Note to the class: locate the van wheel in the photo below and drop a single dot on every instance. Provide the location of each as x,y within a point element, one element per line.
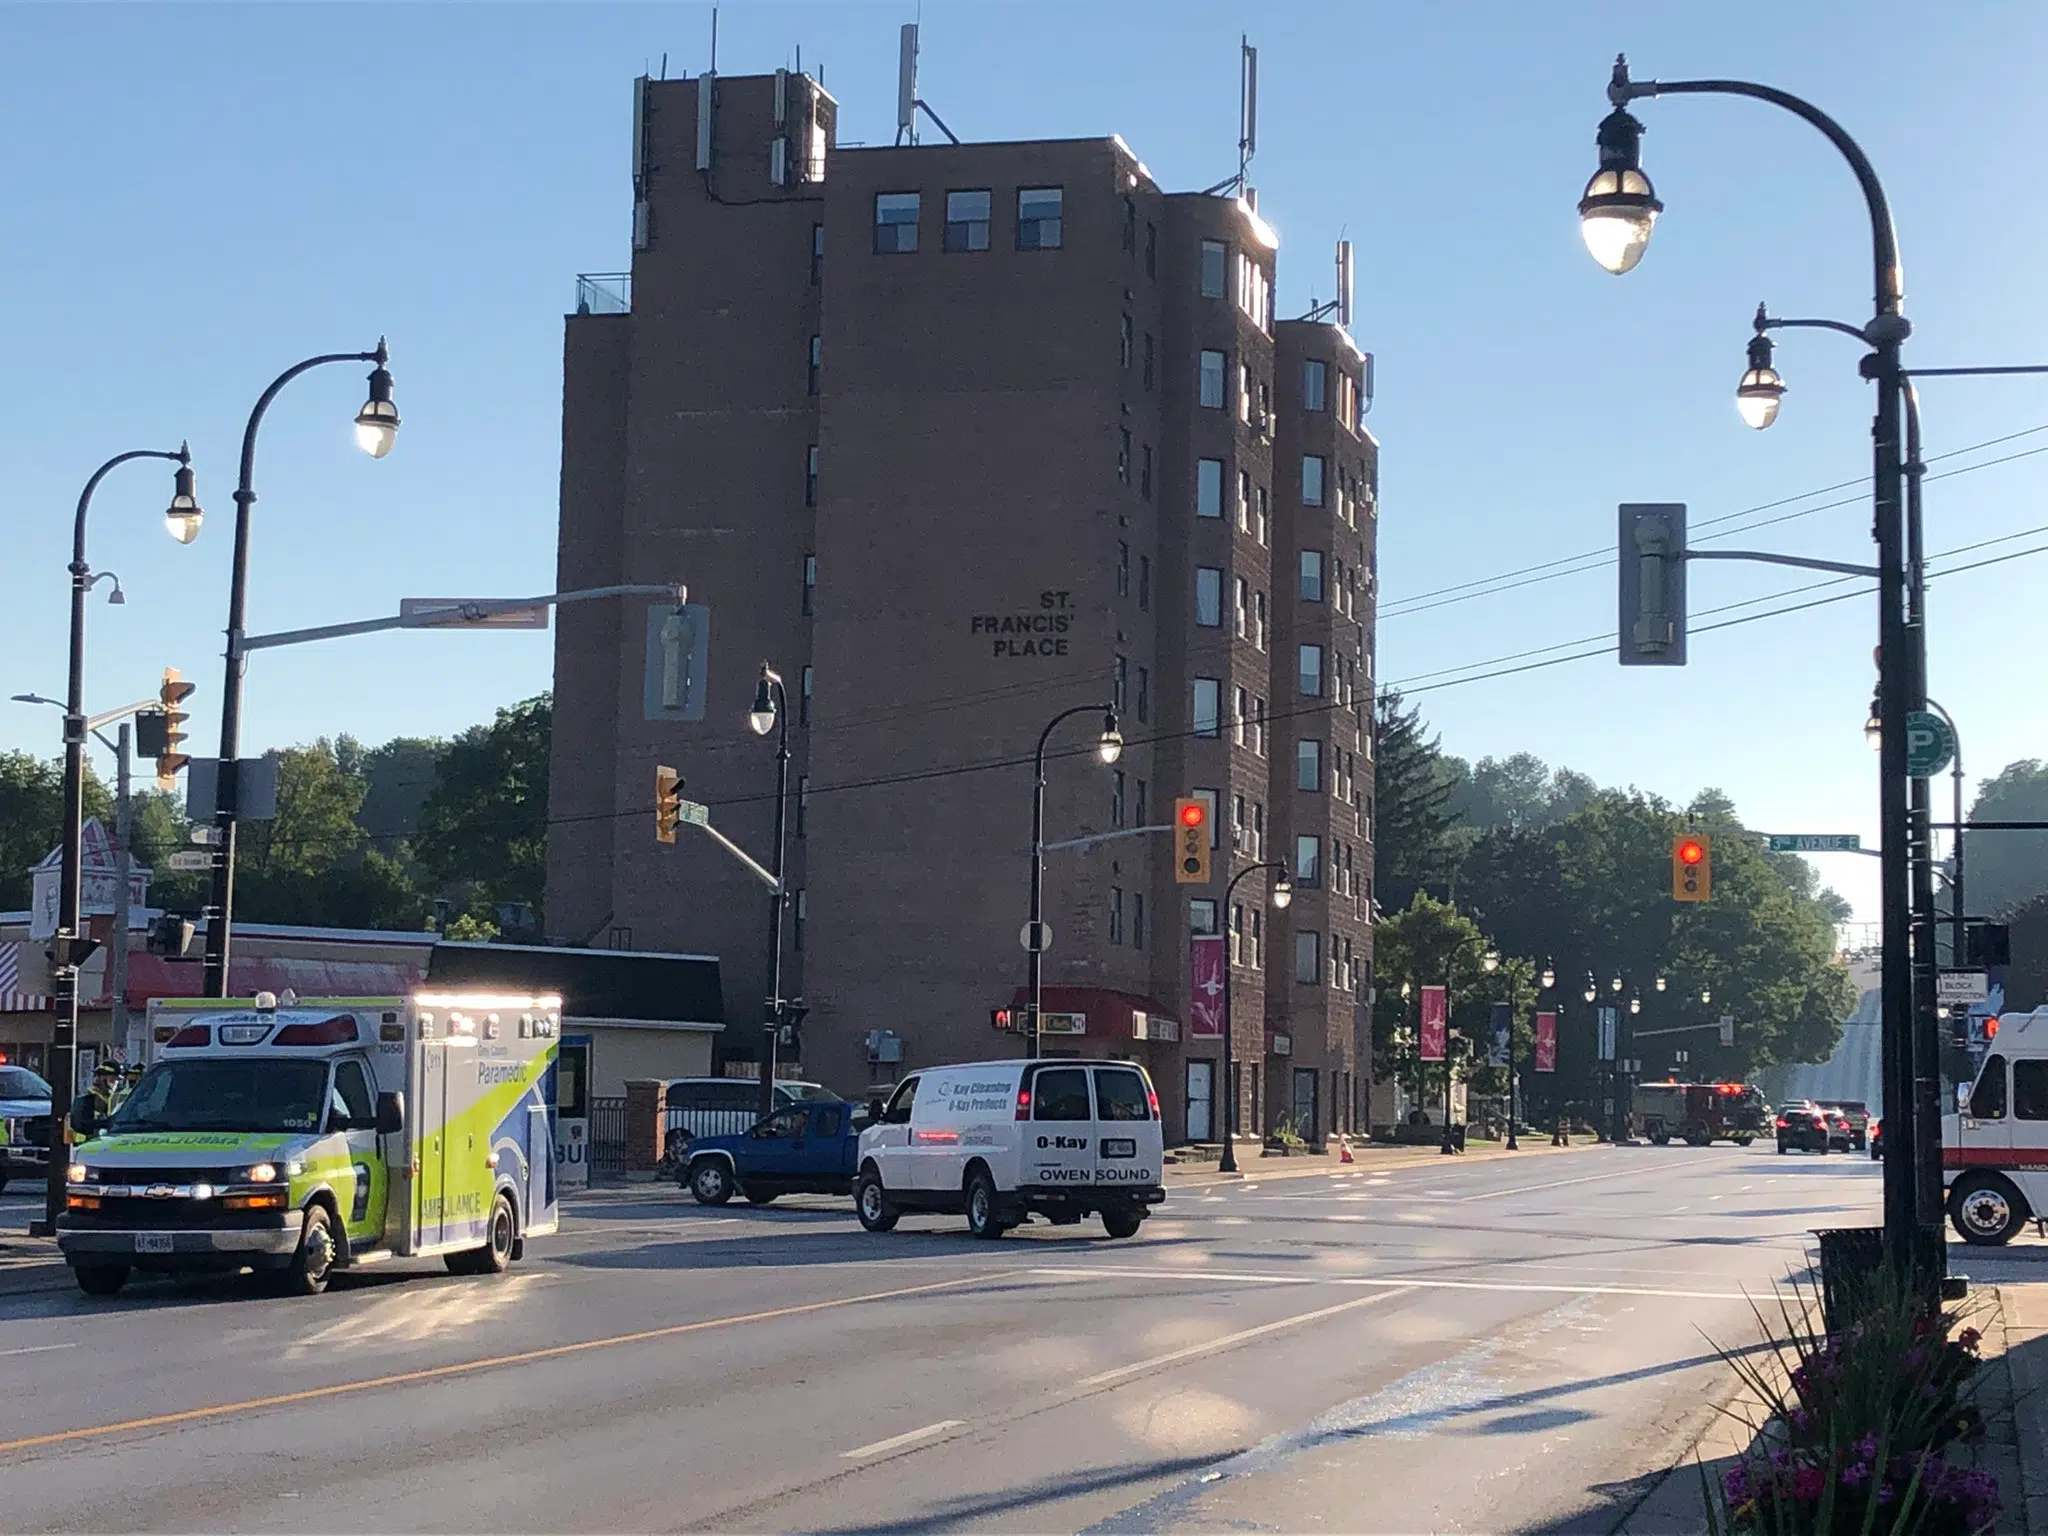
<point>1743,1141</point>
<point>1986,1210</point>
<point>711,1181</point>
<point>314,1262</point>
<point>871,1202</point>
<point>101,1279</point>
<point>1121,1220</point>
<point>1660,1138</point>
<point>982,1218</point>
<point>761,1196</point>
<point>495,1257</point>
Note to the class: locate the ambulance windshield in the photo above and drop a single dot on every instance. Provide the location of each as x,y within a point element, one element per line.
<point>218,1094</point>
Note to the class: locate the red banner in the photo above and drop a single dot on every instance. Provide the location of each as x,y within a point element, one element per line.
<point>1206,982</point>
<point>1431,1037</point>
<point>1546,1042</point>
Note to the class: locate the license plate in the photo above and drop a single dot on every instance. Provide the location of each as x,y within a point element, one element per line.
<point>1112,1147</point>
<point>152,1242</point>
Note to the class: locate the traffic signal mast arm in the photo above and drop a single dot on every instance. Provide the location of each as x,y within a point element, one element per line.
<point>454,616</point>
<point>1105,837</point>
<point>1839,567</point>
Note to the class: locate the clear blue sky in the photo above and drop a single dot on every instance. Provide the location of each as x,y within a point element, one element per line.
<point>198,196</point>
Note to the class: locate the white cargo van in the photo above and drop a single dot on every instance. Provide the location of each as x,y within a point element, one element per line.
<point>998,1140</point>
<point>1994,1153</point>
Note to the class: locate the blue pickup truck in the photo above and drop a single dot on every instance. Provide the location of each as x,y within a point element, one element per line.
<point>801,1149</point>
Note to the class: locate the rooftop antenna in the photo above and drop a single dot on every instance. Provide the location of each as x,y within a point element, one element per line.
<point>1344,282</point>
<point>714,42</point>
<point>1247,119</point>
<point>908,102</point>
<point>664,64</point>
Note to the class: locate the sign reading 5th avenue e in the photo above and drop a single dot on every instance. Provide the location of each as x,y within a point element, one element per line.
<point>1815,842</point>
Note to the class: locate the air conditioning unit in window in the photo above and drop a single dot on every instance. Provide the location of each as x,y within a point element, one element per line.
<point>1262,423</point>
<point>885,1047</point>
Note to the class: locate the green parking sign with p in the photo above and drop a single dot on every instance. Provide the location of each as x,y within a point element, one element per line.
<point>1930,744</point>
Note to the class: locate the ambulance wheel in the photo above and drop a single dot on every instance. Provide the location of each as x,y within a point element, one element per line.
<point>1986,1210</point>
<point>711,1181</point>
<point>101,1279</point>
<point>314,1262</point>
<point>1121,1220</point>
<point>983,1219</point>
<point>871,1202</point>
<point>1743,1141</point>
<point>495,1256</point>
<point>1660,1138</point>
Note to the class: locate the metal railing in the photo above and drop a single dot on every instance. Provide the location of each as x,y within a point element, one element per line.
<point>604,293</point>
<point>607,1136</point>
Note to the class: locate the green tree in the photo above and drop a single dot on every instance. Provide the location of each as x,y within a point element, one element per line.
<point>1427,943</point>
<point>32,818</point>
<point>483,827</point>
<point>1412,787</point>
<point>2005,870</point>
<point>397,778</point>
<point>1518,791</point>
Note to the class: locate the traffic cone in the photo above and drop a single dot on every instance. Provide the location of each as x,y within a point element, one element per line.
<point>1344,1150</point>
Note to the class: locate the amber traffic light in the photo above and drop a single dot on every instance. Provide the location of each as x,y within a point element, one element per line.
<point>1692,868</point>
<point>1191,841</point>
<point>171,701</point>
<point>667,803</point>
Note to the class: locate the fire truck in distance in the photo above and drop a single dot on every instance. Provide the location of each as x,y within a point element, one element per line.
<point>1700,1113</point>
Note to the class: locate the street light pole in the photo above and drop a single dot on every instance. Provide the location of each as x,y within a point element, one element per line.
<point>1281,894</point>
<point>376,428</point>
<point>771,711</point>
<point>1109,748</point>
<point>71,948</point>
<point>1489,960</point>
<point>1618,212</point>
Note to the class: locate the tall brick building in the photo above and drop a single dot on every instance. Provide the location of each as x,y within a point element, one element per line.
<point>957,437</point>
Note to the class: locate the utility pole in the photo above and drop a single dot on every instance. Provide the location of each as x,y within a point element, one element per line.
<point>124,864</point>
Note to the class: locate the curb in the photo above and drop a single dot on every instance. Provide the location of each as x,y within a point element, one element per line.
<point>1364,1160</point>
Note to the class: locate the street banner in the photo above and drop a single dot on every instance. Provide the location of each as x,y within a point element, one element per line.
<point>1502,1048</point>
<point>1206,982</point>
<point>1609,1022</point>
<point>1431,1036</point>
<point>1546,1042</point>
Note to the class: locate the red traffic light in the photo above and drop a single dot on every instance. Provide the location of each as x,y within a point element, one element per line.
<point>1691,851</point>
<point>1991,1029</point>
<point>1193,814</point>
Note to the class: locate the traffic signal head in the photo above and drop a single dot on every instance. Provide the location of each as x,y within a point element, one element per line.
<point>171,697</point>
<point>1191,841</point>
<point>667,797</point>
<point>1692,873</point>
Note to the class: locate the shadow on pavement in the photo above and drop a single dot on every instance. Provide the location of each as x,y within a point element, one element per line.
<point>952,1514</point>
<point>767,1250</point>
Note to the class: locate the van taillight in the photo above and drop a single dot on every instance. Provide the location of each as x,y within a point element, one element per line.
<point>1023,1103</point>
<point>1152,1098</point>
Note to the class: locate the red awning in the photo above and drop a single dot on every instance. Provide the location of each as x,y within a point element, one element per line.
<point>153,976</point>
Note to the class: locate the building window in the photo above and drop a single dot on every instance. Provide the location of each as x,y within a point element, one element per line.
<point>1145,471</point>
<point>1259,621</point>
<point>1258,829</point>
<point>1150,359</point>
<point>1308,860</point>
<point>1215,269</point>
<point>1116,798</point>
<point>1123,568</point>
<point>800,913</point>
<point>1312,468</point>
<point>1257,958</point>
<point>817,254</point>
<point>1244,392</point>
<point>1210,801</point>
<point>1236,933</point>
<point>1241,616</point>
<point>1038,218</point>
<point>1244,501</point>
<point>895,223</point>
<point>1138,801</point>
<point>1209,596</point>
<point>1144,700</point>
<point>1208,706</point>
<point>1116,914</point>
<point>811,476</point>
<point>1315,385</point>
<point>810,584</point>
<point>1201,915</point>
<point>1311,575</point>
<point>803,705</point>
<point>803,804</point>
<point>1308,957</point>
<point>1240,714</point>
<point>1255,292</point>
<point>1308,766</point>
<point>1123,454</point>
<point>1265,527</point>
<point>1137,919</point>
<point>1126,344</point>
<point>811,371</point>
<point>1118,681</point>
<point>1259,726</point>
<point>1130,223</point>
<point>1208,487</point>
<point>1312,671</point>
<point>967,221</point>
<point>1144,583</point>
<point>1214,370</point>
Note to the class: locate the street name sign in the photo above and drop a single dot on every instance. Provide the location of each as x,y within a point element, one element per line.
<point>1961,987</point>
<point>1815,842</point>
<point>186,860</point>
<point>468,613</point>
<point>693,813</point>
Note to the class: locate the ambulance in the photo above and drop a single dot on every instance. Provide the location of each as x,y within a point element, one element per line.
<point>305,1136</point>
<point>1994,1149</point>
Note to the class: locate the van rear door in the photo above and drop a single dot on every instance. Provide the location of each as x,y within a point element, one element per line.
<point>1059,1145</point>
<point>1128,1144</point>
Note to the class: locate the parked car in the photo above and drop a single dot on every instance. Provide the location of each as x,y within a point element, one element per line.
<point>1804,1128</point>
<point>724,1106</point>
<point>25,1124</point>
<point>1876,1139</point>
<point>801,1149</point>
<point>1857,1113</point>
<point>1840,1136</point>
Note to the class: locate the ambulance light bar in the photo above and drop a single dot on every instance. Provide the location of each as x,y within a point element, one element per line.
<point>338,1030</point>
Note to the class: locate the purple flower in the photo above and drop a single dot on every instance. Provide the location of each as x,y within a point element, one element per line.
<point>1884,1493</point>
<point>1802,1419</point>
<point>1735,1484</point>
<point>1807,1483</point>
<point>1915,1357</point>
<point>1856,1474</point>
<point>1867,1447</point>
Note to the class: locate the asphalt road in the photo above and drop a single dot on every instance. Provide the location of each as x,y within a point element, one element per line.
<point>1514,1344</point>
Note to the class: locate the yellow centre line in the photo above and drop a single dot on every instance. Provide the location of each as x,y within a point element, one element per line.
<point>466,1367</point>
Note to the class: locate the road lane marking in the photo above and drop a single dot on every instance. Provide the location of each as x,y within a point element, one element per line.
<point>1529,1189</point>
<point>1230,1339</point>
<point>470,1367</point>
<point>1388,1283</point>
<point>897,1442</point>
<point>37,1349</point>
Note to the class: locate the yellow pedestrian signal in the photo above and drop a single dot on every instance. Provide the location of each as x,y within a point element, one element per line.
<point>1191,842</point>
<point>668,786</point>
<point>172,697</point>
<point>1692,868</point>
